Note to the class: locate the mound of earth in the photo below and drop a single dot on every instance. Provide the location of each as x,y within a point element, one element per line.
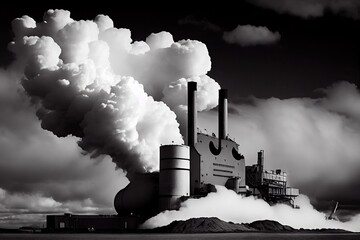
<point>270,226</point>
<point>215,225</point>
<point>204,225</point>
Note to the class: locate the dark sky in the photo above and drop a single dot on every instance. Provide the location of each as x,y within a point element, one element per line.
<point>312,53</point>
<point>316,49</point>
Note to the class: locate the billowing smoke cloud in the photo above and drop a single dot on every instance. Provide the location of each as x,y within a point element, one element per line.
<point>312,8</point>
<point>228,206</point>
<point>80,76</point>
<point>90,80</point>
<point>248,35</point>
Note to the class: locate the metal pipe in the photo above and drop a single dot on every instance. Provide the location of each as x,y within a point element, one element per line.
<point>223,113</point>
<point>192,114</point>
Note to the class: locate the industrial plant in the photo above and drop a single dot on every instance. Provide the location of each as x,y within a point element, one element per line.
<point>187,171</point>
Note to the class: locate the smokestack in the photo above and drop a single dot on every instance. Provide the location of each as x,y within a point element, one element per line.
<point>260,166</point>
<point>261,158</point>
<point>192,114</point>
<point>223,114</point>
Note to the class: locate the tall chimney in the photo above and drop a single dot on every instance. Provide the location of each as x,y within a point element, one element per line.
<point>260,167</point>
<point>192,114</point>
<point>223,114</point>
<point>261,158</point>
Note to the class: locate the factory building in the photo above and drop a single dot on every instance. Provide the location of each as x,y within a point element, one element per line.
<point>192,171</point>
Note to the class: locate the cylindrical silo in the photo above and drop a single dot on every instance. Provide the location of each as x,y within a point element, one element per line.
<point>174,177</point>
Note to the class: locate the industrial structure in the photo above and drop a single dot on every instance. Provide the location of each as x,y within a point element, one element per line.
<point>193,170</point>
<point>269,185</point>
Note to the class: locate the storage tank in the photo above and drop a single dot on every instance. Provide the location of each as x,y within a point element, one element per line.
<point>174,179</point>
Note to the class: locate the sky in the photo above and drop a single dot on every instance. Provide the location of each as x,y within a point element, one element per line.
<point>291,67</point>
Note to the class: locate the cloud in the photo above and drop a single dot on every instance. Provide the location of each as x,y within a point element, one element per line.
<point>248,35</point>
<point>228,206</point>
<point>41,173</point>
<point>159,40</point>
<point>244,35</point>
<point>312,8</point>
<point>28,202</point>
<point>343,98</point>
<point>24,209</point>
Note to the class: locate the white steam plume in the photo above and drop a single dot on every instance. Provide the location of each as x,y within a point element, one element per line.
<point>90,80</point>
<point>229,206</point>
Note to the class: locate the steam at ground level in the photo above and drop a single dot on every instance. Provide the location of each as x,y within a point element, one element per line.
<point>228,206</point>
